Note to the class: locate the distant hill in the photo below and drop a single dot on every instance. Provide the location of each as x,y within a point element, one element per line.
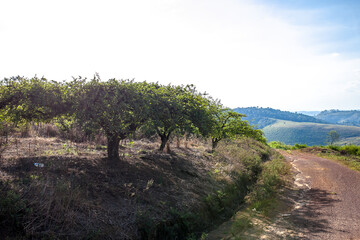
<point>309,113</point>
<point>349,118</point>
<point>291,133</point>
<point>262,117</point>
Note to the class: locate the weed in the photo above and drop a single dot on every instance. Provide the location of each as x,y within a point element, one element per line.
<point>299,146</point>
<point>13,209</point>
<point>240,225</point>
<point>279,145</point>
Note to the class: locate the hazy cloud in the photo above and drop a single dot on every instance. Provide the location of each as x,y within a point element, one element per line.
<point>244,53</point>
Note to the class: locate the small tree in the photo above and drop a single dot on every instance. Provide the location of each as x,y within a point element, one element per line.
<point>229,124</point>
<point>175,108</point>
<point>333,136</point>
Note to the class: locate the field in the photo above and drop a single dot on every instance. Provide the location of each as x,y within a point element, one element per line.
<point>309,133</point>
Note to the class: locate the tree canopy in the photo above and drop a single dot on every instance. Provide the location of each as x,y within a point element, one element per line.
<point>35,99</point>
<point>115,107</point>
<point>229,124</point>
<point>118,108</point>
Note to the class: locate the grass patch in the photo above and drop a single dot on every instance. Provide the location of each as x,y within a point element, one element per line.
<point>306,132</point>
<point>347,155</point>
<point>352,162</point>
<point>280,145</point>
<point>263,198</point>
<point>241,224</point>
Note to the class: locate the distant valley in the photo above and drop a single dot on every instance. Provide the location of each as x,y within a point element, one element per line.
<point>306,127</point>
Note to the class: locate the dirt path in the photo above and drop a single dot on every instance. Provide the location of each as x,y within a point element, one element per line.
<point>329,207</point>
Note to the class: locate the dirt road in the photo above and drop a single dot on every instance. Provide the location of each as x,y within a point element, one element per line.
<point>329,206</point>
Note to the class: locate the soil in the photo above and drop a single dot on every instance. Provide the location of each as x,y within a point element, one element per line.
<point>321,201</point>
<point>328,207</point>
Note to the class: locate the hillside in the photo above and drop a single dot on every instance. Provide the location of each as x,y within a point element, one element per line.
<point>79,194</point>
<point>350,118</point>
<point>262,117</point>
<point>291,133</point>
<point>309,113</point>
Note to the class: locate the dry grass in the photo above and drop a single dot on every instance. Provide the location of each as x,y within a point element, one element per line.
<point>79,194</point>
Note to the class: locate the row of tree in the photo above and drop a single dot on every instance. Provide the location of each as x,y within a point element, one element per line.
<point>119,107</point>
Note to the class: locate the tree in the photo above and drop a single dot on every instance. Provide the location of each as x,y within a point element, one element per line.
<point>229,124</point>
<point>333,136</point>
<point>115,107</point>
<point>175,108</point>
<point>35,99</point>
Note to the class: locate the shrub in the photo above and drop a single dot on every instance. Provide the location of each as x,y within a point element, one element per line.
<point>351,149</point>
<point>348,149</point>
<point>299,146</point>
<point>279,145</point>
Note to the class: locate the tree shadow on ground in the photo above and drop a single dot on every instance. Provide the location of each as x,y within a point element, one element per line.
<point>77,189</point>
<point>308,216</point>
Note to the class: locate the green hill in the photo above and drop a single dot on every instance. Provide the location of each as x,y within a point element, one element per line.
<point>291,133</point>
<point>262,117</point>
<point>350,118</point>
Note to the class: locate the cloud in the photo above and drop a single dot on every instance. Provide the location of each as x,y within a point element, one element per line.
<point>244,53</point>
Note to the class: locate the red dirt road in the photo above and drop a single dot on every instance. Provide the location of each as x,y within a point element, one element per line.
<point>329,206</point>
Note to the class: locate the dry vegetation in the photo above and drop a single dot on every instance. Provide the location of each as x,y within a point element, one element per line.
<point>149,194</point>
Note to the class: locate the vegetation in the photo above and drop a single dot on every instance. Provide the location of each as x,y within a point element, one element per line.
<point>262,202</point>
<point>113,107</point>
<point>35,99</point>
<point>311,134</point>
<point>348,155</point>
<point>155,188</point>
<point>262,117</point>
<point>56,136</point>
<point>292,128</point>
<point>118,108</point>
<point>228,124</point>
<point>333,137</point>
<point>280,145</point>
<point>176,109</point>
<point>349,118</point>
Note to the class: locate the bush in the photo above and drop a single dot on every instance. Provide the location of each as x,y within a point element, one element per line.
<point>270,180</point>
<point>279,145</point>
<point>348,149</point>
<point>351,149</point>
<point>299,146</point>
<point>335,148</point>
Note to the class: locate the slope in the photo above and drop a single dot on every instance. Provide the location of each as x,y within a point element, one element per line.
<point>308,133</point>
<point>262,117</point>
<point>350,118</point>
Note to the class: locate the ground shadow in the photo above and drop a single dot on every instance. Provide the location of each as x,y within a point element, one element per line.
<point>308,216</point>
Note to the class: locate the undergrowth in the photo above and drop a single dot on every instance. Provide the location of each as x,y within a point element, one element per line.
<point>280,145</point>
<point>263,196</point>
<point>245,168</point>
<point>348,155</point>
<point>52,202</point>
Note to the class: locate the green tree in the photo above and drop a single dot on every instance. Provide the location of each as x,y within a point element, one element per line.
<point>35,99</point>
<point>175,108</point>
<point>115,107</point>
<point>333,136</point>
<point>229,124</point>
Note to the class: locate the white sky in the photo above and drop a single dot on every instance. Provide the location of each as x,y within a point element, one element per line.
<point>243,53</point>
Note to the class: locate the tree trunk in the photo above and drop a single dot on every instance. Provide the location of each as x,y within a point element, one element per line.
<point>164,139</point>
<point>214,144</point>
<point>113,147</point>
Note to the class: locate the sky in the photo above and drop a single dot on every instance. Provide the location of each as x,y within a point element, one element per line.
<point>291,55</point>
